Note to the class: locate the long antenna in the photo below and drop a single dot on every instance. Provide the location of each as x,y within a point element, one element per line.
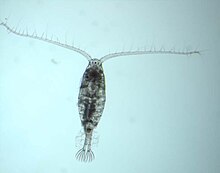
<point>45,39</point>
<point>144,52</point>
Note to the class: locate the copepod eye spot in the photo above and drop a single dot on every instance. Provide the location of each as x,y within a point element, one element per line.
<point>95,62</point>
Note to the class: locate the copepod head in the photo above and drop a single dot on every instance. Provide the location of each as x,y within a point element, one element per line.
<point>95,62</point>
<point>94,70</point>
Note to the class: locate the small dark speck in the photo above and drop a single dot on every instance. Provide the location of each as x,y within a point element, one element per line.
<point>54,61</point>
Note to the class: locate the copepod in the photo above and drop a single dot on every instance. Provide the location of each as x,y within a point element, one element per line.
<point>91,99</point>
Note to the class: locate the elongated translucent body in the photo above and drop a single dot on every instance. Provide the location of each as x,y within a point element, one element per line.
<point>91,102</point>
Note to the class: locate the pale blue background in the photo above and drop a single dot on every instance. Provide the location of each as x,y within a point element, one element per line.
<point>162,111</point>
